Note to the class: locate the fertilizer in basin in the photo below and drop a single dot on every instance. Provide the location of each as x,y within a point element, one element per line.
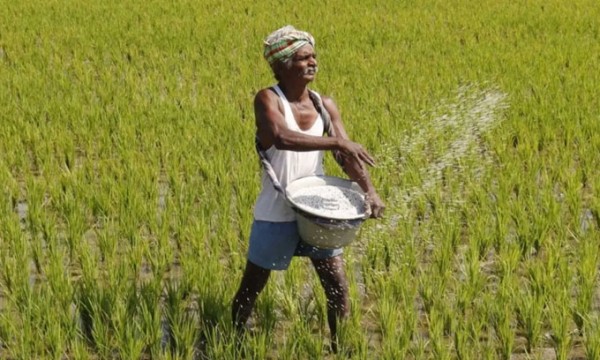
<point>330,201</point>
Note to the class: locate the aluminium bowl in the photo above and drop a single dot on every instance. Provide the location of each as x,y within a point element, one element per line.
<point>321,230</point>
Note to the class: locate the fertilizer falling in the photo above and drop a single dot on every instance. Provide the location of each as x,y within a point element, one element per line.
<point>464,121</point>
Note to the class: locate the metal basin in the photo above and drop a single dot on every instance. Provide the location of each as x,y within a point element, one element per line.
<point>327,232</point>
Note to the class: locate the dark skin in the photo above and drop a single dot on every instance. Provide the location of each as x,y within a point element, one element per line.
<point>272,131</point>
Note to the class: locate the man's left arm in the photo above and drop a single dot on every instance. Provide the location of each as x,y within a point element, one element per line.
<point>355,169</point>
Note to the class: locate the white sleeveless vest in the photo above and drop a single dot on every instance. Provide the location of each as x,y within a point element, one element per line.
<point>288,166</point>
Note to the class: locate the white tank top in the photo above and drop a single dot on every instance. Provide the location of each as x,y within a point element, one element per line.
<point>288,166</point>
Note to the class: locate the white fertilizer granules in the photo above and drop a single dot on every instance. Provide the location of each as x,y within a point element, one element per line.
<point>330,201</point>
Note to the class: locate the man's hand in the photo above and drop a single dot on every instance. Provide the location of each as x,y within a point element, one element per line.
<point>356,151</point>
<point>375,207</point>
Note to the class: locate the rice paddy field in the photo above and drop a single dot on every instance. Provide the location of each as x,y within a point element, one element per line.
<point>128,176</point>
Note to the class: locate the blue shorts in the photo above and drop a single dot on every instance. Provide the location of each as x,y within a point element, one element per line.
<point>273,244</point>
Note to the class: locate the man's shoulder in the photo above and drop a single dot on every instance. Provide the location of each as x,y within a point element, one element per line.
<point>327,100</point>
<point>321,95</point>
<point>266,93</point>
<point>329,104</point>
<point>267,98</point>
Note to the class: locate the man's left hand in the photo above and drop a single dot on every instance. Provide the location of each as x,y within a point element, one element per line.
<point>375,205</point>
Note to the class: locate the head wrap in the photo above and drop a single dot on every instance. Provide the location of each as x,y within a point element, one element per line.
<point>283,43</point>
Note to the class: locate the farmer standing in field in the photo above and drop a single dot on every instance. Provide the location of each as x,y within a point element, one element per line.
<point>289,130</point>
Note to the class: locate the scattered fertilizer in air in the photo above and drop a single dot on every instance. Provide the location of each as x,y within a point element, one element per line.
<point>457,127</point>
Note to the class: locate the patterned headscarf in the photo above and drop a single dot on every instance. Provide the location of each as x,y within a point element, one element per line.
<point>283,43</point>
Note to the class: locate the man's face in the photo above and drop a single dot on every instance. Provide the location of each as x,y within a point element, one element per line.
<point>302,65</point>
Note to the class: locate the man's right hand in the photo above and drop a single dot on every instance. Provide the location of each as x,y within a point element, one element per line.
<point>356,151</point>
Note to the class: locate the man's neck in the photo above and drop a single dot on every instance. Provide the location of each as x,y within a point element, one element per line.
<point>294,92</point>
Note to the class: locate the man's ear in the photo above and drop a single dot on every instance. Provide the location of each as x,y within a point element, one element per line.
<point>277,66</point>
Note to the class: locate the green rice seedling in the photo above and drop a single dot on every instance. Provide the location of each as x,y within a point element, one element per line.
<point>160,251</point>
<point>428,296</point>
<point>500,312</point>
<point>289,303</point>
<point>508,264</point>
<point>100,297</point>
<point>473,282</point>
<point>51,328</point>
<point>107,240</point>
<point>182,322</point>
<point>446,249</point>
<point>463,346</point>
<point>79,350</point>
<point>356,331</point>
<point>419,347</point>
<point>97,325</point>
<point>469,317</point>
<point>407,330</point>
<point>301,340</point>
<point>392,350</point>
<point>572,197</point>
<point>17,282</point>
<point>60,289</point>
<point>587,275</point>
<point>429,290</point>
<point>559,308</point>
<point>387,316</point>
<point>591,337</point>
<point>530,234</point>
<point>484,237</point>
<point>540,275</point>
<point>37,254</point>
<point>150,320</point>
<point>7,328</point>
<point>436,322</point>
<point>23,344</point>
<point>259,345</point>
<point>560,322</point>
<point>352,340</point>
<point>471,334</point>
<point>215,344</point>
<point>530,314</point>
<point>480,331</point>
<point>129,341</point>
<point>35,206</point>
<point>49,233</point>
<point>75,222</point>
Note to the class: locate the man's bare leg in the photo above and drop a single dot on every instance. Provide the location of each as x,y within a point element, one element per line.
<point>253,282</point>
<point>333,278</point>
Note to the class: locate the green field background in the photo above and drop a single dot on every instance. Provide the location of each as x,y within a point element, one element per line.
<point>128,176</point>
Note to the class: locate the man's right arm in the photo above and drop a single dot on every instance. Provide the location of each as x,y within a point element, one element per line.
<point>272,129</point>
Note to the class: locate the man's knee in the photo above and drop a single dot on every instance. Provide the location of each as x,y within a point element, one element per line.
<point>330,269</point>
<point>253,282</point>
<point>333,278</point>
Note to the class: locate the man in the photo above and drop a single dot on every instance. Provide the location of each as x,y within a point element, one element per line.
<point>290,130</point>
